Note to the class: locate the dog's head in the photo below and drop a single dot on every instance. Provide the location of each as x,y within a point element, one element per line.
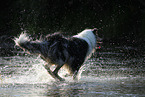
<point>95,31</point>
<point>98,39</point>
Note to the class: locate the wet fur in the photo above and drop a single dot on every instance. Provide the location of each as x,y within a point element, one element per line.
<point>56,49</point>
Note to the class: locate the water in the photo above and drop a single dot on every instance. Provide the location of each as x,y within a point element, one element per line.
<point>112,71</point>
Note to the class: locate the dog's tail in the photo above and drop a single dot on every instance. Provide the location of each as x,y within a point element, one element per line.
<point>24,42</point>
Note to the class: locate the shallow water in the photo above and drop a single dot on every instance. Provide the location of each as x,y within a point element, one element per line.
<point>112,71</point>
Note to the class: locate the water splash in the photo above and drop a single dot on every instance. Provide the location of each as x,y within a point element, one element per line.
<point>112,74</point>
<point>29,70</point>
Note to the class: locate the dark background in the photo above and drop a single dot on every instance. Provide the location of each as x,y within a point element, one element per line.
<point>120,21</point>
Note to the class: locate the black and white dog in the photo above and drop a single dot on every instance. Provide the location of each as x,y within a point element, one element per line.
<point>60,51</point>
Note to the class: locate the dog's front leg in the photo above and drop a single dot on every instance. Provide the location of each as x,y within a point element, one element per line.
<point>54,74</point>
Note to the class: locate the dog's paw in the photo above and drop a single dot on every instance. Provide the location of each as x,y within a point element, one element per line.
<point>61,79</point>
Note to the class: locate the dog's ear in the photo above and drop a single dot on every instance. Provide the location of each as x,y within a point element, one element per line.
<point>95,30</point>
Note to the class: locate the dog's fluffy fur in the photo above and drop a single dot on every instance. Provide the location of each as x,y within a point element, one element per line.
<point>56,49</point>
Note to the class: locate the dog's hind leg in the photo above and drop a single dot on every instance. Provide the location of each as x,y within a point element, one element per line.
<point>54,74</point>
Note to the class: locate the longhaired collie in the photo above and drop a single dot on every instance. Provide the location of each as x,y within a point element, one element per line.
<point>55,49</point>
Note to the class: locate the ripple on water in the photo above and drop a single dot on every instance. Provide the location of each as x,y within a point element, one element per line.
<point>107,76</point>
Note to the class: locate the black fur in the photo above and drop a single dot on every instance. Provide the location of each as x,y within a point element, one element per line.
<point>58,50</point>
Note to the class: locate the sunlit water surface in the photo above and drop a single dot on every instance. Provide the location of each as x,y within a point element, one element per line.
<point>113,71</point>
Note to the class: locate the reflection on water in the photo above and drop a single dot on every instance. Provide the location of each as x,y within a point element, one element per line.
<point>113,71</point>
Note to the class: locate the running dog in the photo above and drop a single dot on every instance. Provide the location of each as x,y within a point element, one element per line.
<point>58,50</point>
